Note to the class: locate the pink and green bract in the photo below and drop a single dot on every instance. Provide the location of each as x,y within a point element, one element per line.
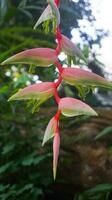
<point>45,57</point>
<point>38,57</point>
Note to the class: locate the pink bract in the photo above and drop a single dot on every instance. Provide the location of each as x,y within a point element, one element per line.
<point>37,91</point>
<point>50,130</point>
<point>71,107</point>
<point>37,56</point>
<point>76,76</point>
<point>56,147</point>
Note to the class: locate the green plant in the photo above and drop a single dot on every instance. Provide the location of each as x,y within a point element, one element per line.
<point>99,192</point>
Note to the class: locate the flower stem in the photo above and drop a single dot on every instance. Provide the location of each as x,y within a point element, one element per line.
<point>57,98</point>
<point>59,67</point>
<point>58,37</point>
<point>57,116</point>
<point>58,82</point>
<point>57,2</point>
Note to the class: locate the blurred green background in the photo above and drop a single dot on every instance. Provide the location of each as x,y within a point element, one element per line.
<point>85,163</point>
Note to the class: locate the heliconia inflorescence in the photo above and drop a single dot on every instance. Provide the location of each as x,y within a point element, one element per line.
<point>77,77</point>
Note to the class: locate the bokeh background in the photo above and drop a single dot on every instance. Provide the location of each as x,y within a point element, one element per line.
<point>85,164</point>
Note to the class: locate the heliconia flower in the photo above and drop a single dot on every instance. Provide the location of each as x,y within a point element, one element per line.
<point>71,107</point>
<point>70,48</point>
<point>37,56</point>
<point>56,147</point>
<point>50,12</point>
<point>76,76</point>
<point>40,91</point>
<point>50,130</point>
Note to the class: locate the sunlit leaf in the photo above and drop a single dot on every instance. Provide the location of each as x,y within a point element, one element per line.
<point>37,56</point>
<point>71,107</point>
<point>50,130</point>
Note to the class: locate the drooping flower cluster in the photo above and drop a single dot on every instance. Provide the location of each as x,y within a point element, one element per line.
<point>77,77</point>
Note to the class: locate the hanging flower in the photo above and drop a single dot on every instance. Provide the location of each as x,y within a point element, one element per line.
<point>69,107</point>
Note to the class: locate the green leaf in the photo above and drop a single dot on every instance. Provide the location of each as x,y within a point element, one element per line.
<point>106,131</point>
<point>4,89</point>
<point>22,80</point>
<point>3,187</point>
<point>99,188</point>
<point>5,167</point>
<point>8,148</point>
<point>26,187</point>
<point>41,158</point>
<point>28,160</point>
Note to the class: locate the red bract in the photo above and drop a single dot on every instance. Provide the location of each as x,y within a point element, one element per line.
<point>79,78</point>
<point>75,76</point>
<point>38,57</point>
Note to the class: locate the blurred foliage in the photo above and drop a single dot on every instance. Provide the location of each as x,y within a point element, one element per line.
<point>99,192</point>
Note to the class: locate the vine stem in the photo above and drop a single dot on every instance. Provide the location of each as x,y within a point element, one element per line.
<point>58,65</point>
<point>58,37</point>
<point>58,82</point>
<point>57,116</point>
<point>57,98</point>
